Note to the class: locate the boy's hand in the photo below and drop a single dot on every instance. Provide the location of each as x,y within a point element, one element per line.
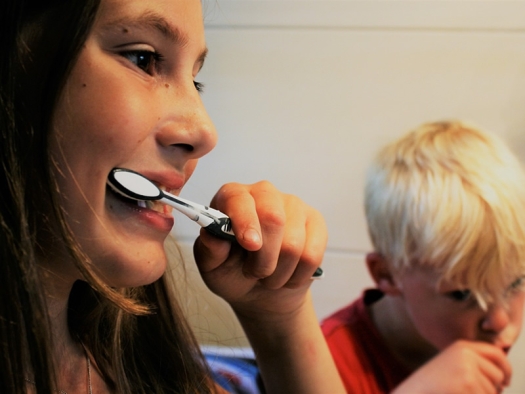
<point>280,243</point>
<point>463,367</point>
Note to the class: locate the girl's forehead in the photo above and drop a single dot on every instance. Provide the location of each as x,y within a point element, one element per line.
<point>178,22</point>
<point>176,14</point>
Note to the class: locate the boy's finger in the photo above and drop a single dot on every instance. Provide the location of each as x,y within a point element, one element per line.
<point>495,364</point>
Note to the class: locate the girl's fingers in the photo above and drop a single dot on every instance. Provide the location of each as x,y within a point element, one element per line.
<point>240,205</point>
<point>303,246</point>
<point>210,252</point>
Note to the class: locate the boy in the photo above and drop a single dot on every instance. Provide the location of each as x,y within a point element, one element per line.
<point>445,207</point>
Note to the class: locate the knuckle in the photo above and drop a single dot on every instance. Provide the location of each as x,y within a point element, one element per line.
<point>312,258</point>
<point>294,285</point>
<point>292,246</point>
<point>258,271</point>
<point>271,284</point>
<point>470,385</point>
<point>265,186</point>
<point>229,190</point>
<point>273,218</point>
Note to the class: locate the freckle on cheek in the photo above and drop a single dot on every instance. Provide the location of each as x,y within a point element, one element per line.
<point>125,30</point>
<point>84,85</point>
<point>167,85</point>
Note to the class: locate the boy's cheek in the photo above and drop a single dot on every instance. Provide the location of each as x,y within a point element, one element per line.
<point>441,330</point>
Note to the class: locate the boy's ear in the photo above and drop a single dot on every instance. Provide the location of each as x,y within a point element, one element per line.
<point>380,272</point>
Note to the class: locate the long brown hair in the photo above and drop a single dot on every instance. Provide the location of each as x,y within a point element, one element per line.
<point>138,336</point>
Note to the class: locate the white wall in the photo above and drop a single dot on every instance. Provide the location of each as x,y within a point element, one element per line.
<point>304,92</point>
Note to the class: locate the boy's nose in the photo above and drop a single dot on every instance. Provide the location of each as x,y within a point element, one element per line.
<point>496,319</point>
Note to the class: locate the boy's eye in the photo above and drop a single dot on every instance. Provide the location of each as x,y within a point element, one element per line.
<point>459,295</point>
<point>145,60</point>
<point>517,284</point>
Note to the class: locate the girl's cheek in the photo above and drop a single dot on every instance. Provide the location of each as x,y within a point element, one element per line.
<point>190,167</point>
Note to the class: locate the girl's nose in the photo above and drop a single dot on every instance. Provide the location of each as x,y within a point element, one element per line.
<point>185,125</point>
<point>496,318</point>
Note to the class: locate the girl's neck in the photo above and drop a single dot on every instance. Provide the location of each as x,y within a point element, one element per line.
<point>67,352</point>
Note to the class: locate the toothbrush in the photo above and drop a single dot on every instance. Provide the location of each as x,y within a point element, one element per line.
<point>136,186</point>
<point>133,185</point>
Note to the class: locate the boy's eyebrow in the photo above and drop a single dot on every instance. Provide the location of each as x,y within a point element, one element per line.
<point>152,20</point>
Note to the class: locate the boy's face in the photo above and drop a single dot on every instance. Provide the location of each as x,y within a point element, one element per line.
<point>444,314</point>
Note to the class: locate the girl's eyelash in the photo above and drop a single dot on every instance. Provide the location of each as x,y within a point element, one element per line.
<point>198,86</point>
<point>148,61</point>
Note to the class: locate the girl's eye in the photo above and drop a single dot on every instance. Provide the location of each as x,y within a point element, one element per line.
<point>198,86</point>
<point>145,60</point>
<point>459,295</point>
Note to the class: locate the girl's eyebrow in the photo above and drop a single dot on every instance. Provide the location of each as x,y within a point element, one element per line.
<point>147,20</point>
<point>152,21</point>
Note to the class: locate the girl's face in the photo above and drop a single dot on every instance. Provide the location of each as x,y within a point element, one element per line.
<point>131,101</point>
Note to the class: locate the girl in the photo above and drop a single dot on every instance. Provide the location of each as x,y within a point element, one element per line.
<point>90,85</point>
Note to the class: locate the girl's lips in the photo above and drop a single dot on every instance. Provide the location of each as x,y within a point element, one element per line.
<point>154,213</point>
<point>168,181</point>
<point>159,218</point>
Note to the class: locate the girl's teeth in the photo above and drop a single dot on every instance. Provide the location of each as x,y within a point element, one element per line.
<point>153,205</point>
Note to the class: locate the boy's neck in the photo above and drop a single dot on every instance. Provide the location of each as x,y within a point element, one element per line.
<point>399,334</point>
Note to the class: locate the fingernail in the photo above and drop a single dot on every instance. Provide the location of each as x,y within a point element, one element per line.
<point>252,236</point>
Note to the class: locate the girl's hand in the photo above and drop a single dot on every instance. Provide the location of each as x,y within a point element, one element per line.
<point>280,243</point>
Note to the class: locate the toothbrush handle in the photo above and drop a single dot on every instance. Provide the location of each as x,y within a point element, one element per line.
<point>221,228</point>
<point>318,274</point>
<point>220,225</point>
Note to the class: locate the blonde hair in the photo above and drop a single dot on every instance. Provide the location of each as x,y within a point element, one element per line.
<point>450,197</point>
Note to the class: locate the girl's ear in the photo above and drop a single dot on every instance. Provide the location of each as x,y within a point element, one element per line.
<point>381,273</point>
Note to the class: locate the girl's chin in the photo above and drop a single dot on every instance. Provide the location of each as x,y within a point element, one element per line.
<point>131,264</point>
<point>138,278</point>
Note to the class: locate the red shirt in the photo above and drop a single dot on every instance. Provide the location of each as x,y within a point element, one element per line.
<point>364,362</point>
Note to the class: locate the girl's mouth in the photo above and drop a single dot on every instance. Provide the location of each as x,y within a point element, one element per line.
<point>155,206</point>
<point>141,204</point>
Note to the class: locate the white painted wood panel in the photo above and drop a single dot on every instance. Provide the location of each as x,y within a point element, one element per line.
<point>303,93</point>
<point>308,109</point>
<point>417,14</point>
